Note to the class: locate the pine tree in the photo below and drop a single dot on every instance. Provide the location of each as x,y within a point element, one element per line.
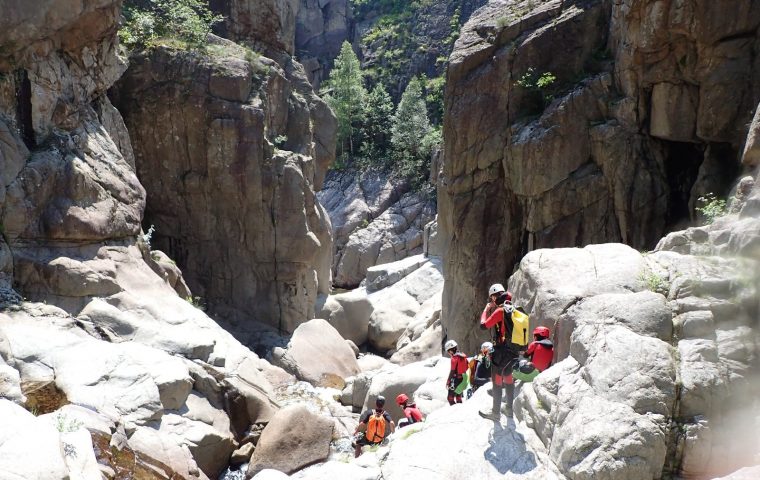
<point>345,93</point>
<point>412,136</point>
<point>375,131</point>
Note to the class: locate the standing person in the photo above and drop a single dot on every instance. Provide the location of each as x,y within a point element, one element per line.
<point>480,366</point>
<point>411,413</point>
<point>504,355</point>
<point>541,350</point>
<point>495,292</point>
<point>375,424</point>
<point>455,379</point>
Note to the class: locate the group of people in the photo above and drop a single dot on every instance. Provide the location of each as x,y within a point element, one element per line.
<point>506,358</point>
<point>376,423</point>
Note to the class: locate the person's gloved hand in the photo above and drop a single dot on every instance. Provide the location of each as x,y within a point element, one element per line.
<point>508,308</point>
<point>483,327</point>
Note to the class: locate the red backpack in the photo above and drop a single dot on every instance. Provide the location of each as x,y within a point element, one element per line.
<point>461,363</point>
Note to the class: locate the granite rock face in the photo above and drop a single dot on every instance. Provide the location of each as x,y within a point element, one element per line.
<point>648,111</point>
<point>98,340</point>
<point>268,25</point>
<point>663,347</point>
<point>231,161</point>
<point>321,28</point>
<point>376,220</point>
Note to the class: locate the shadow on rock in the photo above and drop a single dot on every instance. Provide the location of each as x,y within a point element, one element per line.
<point>507,452</point>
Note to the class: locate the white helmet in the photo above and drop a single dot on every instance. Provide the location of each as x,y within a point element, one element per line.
<point>496,288</point>
<point>449,345</point>
<point>487,346</point>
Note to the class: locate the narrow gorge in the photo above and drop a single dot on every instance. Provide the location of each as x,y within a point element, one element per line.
<point>228,227</point>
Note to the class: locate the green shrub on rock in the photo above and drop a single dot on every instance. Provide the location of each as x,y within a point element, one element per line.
<point>189,21</point>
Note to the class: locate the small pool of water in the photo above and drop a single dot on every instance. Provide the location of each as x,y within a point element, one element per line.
<point>234,474</point>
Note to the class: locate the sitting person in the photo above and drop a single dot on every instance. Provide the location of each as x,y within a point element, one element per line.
<point>411,413</point>
<point>375,424</point>
<point>541,350</point>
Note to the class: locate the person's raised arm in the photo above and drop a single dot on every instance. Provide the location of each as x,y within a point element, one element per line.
<point>496,317</point>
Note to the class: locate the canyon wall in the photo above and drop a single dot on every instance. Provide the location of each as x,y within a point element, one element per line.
<point>231,146</point>
<point>643,108</point>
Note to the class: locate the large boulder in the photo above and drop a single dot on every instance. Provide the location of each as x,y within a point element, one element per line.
<point>399,292</point>
<point>663,339</point>
<point>423,338</point>
<point>349,313</point>
<point>318,354</point>
<point>210,446</point>
<point>30,448</point>
<point>408,379</point>
<point>295,438</point>
<point>337,469</point>
<point>596,431</point>
<point>10,387</point>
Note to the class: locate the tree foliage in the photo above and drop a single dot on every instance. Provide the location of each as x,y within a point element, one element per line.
<point>375,131</point>
<point>187,20</point>
<point>345,93</point>
<point>412,135</point>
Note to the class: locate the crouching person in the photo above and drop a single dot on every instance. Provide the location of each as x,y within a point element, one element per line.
<point>411,413</point>
<point>374,425</point>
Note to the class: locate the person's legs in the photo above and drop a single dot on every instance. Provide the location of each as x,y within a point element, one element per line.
<point>509,388</point>
<point>358,444</point>
<point>497,393</point>
<point>459,398</point>
<point>450,397</point>
<point>496,390</point>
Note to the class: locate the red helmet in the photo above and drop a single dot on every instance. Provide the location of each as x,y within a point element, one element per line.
<point>402,399</point>
<point>543,331</point>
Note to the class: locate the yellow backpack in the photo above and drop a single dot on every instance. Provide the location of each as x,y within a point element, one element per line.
<point>375,427</point>
<point>520,327</point>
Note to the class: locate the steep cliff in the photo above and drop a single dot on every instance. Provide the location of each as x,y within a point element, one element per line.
<point>231,146</point>
<point>65,182</point>
<point>569,123</point>
<point>321,28</point>
<point>117,373</point>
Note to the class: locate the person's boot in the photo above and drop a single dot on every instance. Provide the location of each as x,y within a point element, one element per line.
<point>510,391</point>
<point>493,413</point>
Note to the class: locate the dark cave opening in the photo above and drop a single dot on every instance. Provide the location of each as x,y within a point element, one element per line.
<point>24,108</point>
<point>681,170</point>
